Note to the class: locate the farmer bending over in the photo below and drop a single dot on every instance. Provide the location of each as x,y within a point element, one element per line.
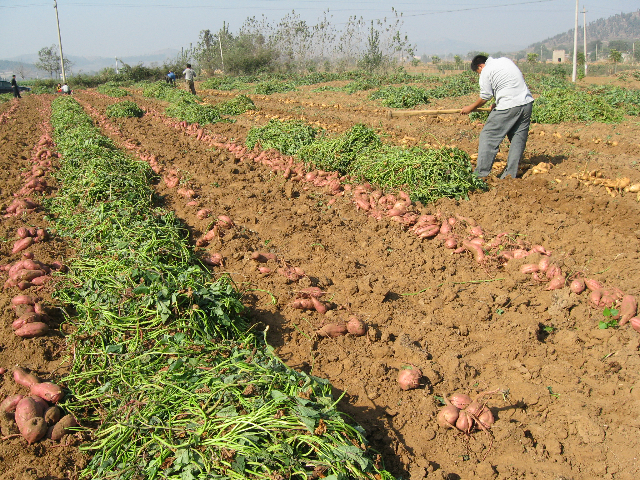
<point>510,115</point>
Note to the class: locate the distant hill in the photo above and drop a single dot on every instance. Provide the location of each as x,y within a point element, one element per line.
<point>21,70</point>
<point>24,66</point>
<point>623,26</point>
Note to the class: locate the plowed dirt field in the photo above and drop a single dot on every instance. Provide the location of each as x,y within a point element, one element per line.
<point>573,404</point>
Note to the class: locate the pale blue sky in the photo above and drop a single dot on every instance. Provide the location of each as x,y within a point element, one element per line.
<point>135,27</point>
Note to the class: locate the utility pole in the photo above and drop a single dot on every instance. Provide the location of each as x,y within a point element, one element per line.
<point>64,76</point>
<point>224,29</point>
<point>575,47</point>
<point>584,20</point>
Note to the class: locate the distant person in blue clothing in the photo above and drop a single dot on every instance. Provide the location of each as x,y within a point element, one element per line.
<point>171,78</point>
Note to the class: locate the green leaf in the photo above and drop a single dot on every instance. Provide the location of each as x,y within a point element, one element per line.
<point>228,411</point>
<point>119,348</point>
<point>309,422</point>
<point>141,290</point>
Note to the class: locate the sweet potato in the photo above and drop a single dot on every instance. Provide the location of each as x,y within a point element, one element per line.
<point>225,222</point>
<point>332,330</point>
<point>529,268</point>
<point>263,257</point>
<point>22,244</point>
<point>593,284</point>
<point>577,285</point>
<point>10,403</point>
<point>33,429</point>
<point>594,298</point>
<point>21,377</point>
<point>475,249</point>
<point>318,305</point>
<point>22,300</point>
<point>356,327</point>
<point>23,309</point>
<point>303,304</point>
<point>29,317</point>
<point>47,390</point>
<point>26,409</point>
<point>52,415</point>
<point>61,428</point>
<point>556,282</point>
<point>31,330</point>
<point>41,405</point>
<point>24,284</point>
<point>27,275</point>
<point>409,377</point>
<point>628,309</point>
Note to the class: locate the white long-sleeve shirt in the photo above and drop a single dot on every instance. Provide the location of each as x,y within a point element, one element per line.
<point>189,74</point>
<point>502,79</point>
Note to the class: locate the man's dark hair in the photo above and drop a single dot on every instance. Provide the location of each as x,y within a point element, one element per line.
<point>188,65</point>
<point>477,61</point>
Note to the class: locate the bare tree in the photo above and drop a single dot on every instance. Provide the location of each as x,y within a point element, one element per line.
<point>49,61</point>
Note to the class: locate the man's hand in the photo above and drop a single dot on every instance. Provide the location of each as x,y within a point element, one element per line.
<point>467,110</point>
<point>470,108</point>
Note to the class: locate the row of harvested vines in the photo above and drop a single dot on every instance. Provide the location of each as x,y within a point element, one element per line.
<point>164,366</point>
<point>425,174</point>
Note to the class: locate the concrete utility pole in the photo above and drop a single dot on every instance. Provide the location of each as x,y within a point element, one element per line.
<point>575,47</point>
<point>64,76</point>
<point>224,29</point>
<point>584,20</point>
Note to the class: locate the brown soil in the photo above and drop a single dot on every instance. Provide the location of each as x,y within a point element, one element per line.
<point>574,392</point>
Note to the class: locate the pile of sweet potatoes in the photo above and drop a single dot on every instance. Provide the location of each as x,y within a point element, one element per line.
<point>35,416</point>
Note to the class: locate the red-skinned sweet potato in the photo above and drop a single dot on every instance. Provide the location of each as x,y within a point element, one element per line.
<point>49,391</point>
<point>52,415</point>
<point>22,244</point>
<point>41,405</point>
<point>22,300</point>
<point>33,429</point>
<point>628,309</point>
<point>10,403</point>
<point>32,330</point>
<point>61,428</point>
<point>26,409</point>
<point>332,330</point>
<point>21,377</point>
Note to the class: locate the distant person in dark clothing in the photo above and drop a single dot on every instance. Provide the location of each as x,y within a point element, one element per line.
<point>16,90</point>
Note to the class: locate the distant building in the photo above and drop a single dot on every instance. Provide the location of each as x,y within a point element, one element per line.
<point>559,56</point>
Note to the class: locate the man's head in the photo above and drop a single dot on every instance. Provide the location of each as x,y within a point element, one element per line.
<point>477,61</point>
<point>14,76</point>
<point>188,65</point>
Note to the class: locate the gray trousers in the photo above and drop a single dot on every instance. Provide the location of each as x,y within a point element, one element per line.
<point>512,123</point>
